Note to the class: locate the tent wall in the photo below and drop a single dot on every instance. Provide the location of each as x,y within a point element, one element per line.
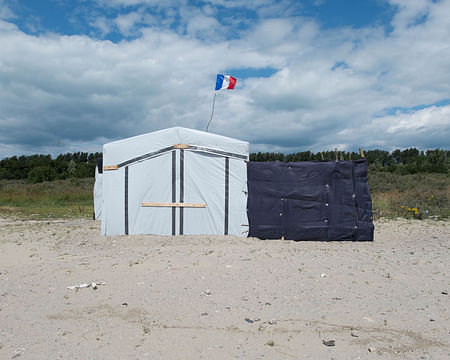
<point>208,169</point>
<point>98,190</point>
<point>223,188</point>
<point>150,181</point>
<point>113,219</point>
<point>309,201</point>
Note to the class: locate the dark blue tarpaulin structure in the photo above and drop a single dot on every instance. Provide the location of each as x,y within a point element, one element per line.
<point>309,200</point>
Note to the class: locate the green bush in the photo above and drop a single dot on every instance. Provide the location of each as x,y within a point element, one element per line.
<point>41,173</point>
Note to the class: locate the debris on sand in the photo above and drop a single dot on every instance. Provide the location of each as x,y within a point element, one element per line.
<point>329,342</point>
<point>93,285</point>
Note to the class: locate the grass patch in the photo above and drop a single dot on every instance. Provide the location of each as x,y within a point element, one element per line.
<point>71,198</point>
<point>393,195</point>
<point>417,196</point>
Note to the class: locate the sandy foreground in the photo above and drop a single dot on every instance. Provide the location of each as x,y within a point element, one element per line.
<point>215,297</point>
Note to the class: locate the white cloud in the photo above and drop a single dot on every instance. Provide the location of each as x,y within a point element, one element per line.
<point>127,22</point>
<point>331,86</point>
<point>203,27</point>
<point>102,25</point>
<point>410,12</point>
<point>437,118</point>
<point>426,128</point>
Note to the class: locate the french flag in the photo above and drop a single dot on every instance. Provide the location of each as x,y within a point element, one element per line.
<point>225,82</point>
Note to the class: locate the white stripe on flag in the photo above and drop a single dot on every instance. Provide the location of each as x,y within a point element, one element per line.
<point>226,82</point>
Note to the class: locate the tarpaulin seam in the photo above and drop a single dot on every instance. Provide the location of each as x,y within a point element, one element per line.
<point>126,200</point>
<point>191,147</point>
<point>227,193</point>
<point>174,183</point>
<point>217,152</point>
<point>181,189</point>
<point>356,201</point>
<point>145,156</point>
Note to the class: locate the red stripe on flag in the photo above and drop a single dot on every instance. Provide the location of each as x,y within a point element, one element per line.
<point>232,83</point>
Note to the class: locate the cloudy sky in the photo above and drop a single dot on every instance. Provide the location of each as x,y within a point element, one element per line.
<point>312,74</point>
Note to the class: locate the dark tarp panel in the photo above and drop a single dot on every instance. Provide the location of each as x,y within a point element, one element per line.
<point>309,200</point>
<point>100,165</point>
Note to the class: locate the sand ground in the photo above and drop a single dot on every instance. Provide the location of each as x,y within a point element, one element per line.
<point>214,297</point>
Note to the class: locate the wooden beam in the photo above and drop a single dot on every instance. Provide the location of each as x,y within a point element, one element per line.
<point>181,146</point>
<point>110,167</point>
<point>173,204</point>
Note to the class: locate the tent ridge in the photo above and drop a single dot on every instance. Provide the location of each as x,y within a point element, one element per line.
<point>174,147</point>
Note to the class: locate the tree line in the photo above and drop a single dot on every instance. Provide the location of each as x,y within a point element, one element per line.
<point>408,161</point>
<point>39,168</point>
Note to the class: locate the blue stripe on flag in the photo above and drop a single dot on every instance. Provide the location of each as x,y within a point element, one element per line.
<point>219,81</point>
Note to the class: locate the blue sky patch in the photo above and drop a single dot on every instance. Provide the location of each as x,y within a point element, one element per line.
<point>340,65</point>
<point>245,73</point>
<point>353,13</point>
<point>406,110</point>
<point>70,17</point>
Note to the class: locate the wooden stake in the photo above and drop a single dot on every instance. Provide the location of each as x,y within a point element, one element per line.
<point>361,151</point>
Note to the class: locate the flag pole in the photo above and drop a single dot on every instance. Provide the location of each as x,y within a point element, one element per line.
<point>212,112</point>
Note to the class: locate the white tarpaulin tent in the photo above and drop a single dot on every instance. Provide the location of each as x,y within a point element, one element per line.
<point>175,181</point>
<point>98,188</point>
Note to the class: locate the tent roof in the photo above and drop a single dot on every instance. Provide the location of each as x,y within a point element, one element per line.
<point>123,150</point>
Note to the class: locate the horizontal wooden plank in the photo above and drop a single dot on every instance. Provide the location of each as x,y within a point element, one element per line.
<point>173,204</point>
<point>181,146</point>
<point>110,167</point>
